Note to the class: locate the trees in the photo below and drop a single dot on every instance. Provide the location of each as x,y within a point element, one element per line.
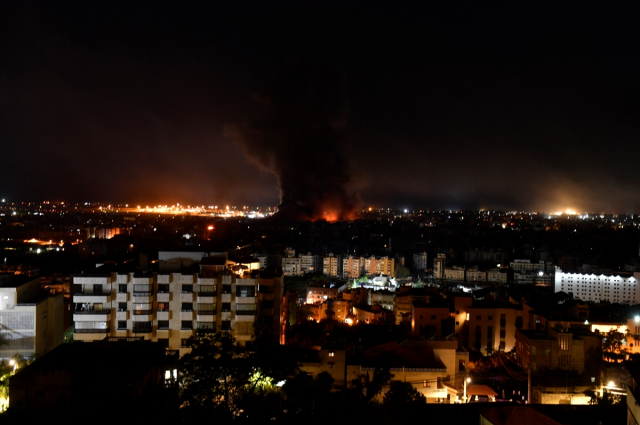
<point>216,374</point>
<point>614,345</point>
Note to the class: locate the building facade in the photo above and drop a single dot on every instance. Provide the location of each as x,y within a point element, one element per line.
<point>598,288</point>
<point>169,308</point>
<point>31,322</point>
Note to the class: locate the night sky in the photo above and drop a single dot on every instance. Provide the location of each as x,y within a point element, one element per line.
<point>452,105</point>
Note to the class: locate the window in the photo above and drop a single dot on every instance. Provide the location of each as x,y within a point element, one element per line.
<point>122,306</point>
<point>164,342</point>
<point>163,306</point>
<point>245,291</point>
<point>490,317</point>
<point>187,307</point>
<point>163,324</point>
<point>478,317</point>
<point>207,290</point>
<point>186,324</point>
<point>226,325</point>
<point>142,308</point>
<point>207,326</point>
<point>503,334</point>
<point>187,289</point>
<point>267,303</point>
<point>433,317</point>
<point>245,309</point>
<point>142,327</point>
<point>142,290</point>
<point>206,308</point>
<point>226,307</point>
<point>226,289</point>
<point>184,342</point>
<point>533,350</point>
<point>331,365</point>
<point>122,324</point>
<point>426,384</point>
<point>163,288</point>
<point>332,353</point>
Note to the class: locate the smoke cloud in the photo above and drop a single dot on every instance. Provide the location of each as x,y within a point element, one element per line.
<point>301,138</point>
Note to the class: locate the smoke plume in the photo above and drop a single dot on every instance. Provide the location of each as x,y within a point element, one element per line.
<point>300,138</point>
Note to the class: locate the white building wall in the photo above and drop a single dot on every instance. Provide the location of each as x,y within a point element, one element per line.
<point>591,287</point>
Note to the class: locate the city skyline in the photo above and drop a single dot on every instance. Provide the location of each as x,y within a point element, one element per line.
<point>530,107</point>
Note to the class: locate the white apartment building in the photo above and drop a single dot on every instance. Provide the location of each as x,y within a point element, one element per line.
<point>169,308</point>
<point>454,273</point>
<point>526,266</point>
<point>476,275</point>
<point>31,322</point>
<point>591,287</point>
<point>309,263</point>
<point>495,275</point>
<point>292,266</point>
<point>420,261</point>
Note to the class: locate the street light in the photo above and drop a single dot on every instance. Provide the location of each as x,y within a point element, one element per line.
<point>468,380</point>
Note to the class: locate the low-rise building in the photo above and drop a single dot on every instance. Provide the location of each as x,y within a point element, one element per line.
<point>455,273</point>
<point>31,321</point>
<point>562,348</point>
<point>319,292</point>
<point>497,276</point>
<point>492,325</point>
<point>476,275</point>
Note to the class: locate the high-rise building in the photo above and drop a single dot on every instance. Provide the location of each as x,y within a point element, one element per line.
<point>379,266</point>
<point>420,261</point>
<point>332,266</point>
<point>438,265</point>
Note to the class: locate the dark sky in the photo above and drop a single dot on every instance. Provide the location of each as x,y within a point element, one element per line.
<point>519,105</point>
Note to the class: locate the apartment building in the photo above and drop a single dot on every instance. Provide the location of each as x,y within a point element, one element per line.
<point>31,321</point>
<point>497,276</point>
<point>309,263</point>
<point>292,266</point>
<point>420,261</point>
<point>332,266</point>
<point>622,289</point>
<point>352,267</point>
<point>170,307</point>
<point>438,265</point>
<point>526,266</point>
<point>476,275</point>
<point>431,318</point>
<point>456,273</point>
<point>319,292</point>
<point>379,266</point>
<point>492,326</point>
<point>562,348</point>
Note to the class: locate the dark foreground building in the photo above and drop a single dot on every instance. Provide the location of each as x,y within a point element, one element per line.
<point>93,376</point>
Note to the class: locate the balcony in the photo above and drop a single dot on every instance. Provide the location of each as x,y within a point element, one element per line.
<point>163,315</point>
<point>92,316</point>
<point>122,297</point>
<point>163,297</point>
<point>205,317</point>
<point>187,315</point>
<point>91,331</point>
<point>92,297</point>
<point>122,315</point>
